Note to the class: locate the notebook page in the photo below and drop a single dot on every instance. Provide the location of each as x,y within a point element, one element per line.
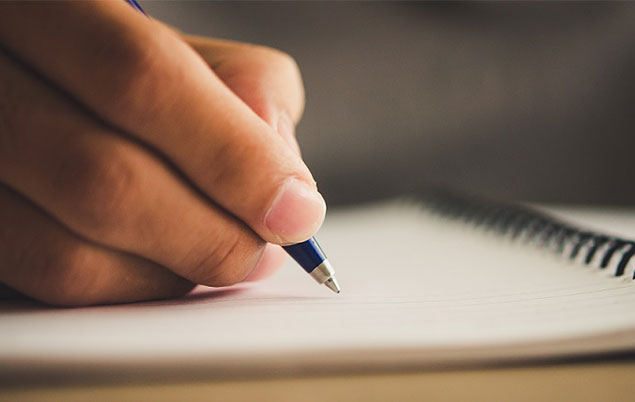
<point>415,289</point>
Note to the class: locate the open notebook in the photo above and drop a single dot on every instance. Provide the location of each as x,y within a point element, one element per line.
<point>418,290</point>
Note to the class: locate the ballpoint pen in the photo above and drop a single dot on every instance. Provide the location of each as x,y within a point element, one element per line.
<point>308,254</point>
<point>311,258</point>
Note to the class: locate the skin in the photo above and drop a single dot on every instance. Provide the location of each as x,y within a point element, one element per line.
<point>136,162</point>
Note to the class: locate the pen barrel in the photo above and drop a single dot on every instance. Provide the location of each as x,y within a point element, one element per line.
<point>308,254</point>
<point>136,6</point>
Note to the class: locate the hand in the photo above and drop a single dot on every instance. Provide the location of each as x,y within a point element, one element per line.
<point>129,169</point>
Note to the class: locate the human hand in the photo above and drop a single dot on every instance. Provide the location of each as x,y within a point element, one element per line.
<point>130,170</point>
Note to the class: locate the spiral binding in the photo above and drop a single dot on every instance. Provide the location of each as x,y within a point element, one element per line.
<point>526,225</point>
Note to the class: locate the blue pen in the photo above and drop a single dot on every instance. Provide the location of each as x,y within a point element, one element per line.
<point>308,254</point>
<point>136,6</point>
<point>311,258</point>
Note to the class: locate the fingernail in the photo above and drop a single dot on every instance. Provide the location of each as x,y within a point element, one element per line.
<point>296,213</point>
<point>286,129</point>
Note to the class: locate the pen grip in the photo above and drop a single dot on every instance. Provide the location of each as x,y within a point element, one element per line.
<point>308,254</point>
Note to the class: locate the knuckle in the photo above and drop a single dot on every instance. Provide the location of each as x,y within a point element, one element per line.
<point>223,168</point>
<point>79,275</point>
<point>102,189</point>
<point>142,81</point>
<point>228,262</point>
<point>272,60</point>
<point>276,56</point>
<point>68,281</point>
<point>285,69</point>
<point>283,63</point>
<point>287,62</point>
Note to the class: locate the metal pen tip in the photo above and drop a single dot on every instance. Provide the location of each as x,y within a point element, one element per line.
<point>331,283</point>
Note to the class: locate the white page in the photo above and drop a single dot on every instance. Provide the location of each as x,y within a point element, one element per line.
<point>416,290</point>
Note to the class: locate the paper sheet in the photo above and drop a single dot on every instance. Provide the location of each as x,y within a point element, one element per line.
<point>416,290</point>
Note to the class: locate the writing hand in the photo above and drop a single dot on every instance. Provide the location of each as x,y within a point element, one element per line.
<point>130,170</point>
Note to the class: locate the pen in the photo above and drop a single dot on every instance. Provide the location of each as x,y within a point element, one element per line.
<point>308,254</point>
<point>311,258</point>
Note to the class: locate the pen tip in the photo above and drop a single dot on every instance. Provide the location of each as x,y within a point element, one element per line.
<point>331,283</point>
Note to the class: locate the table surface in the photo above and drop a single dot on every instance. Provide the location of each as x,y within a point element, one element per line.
<point>590,381</point>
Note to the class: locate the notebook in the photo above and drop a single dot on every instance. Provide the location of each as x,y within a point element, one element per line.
<point>443,283</point>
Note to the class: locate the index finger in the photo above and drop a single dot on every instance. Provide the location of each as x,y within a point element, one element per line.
<point>143,79</point>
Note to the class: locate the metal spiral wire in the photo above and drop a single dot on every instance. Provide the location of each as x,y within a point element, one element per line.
<point>529,226</point>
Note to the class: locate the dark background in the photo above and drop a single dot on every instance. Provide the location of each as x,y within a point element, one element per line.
<point>530,101</point>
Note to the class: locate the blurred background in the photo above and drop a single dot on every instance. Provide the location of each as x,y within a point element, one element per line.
<point>518,101</point>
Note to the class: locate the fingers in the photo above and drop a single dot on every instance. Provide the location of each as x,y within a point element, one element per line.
<point>272,259</point>
<point>111,190</point>
<point>41,259</point>
<point>139,76</point>
<point>267,80</point>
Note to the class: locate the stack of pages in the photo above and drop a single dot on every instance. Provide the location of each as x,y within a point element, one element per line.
<point>418,291</point>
